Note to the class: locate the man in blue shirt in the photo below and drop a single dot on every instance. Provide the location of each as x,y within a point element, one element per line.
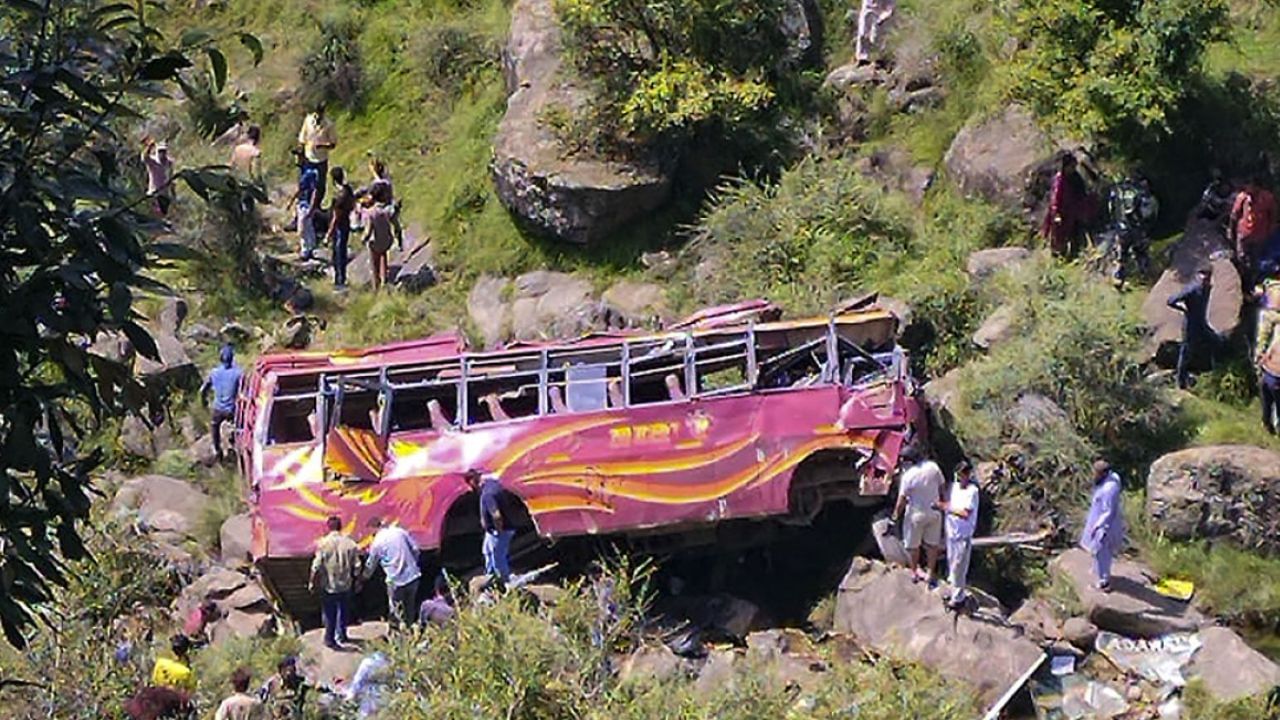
<point>495,517</point>
<point>224,381</point>
<point>1193,302</point>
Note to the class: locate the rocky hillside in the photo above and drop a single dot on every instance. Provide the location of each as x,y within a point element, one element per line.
<point>574,165</point>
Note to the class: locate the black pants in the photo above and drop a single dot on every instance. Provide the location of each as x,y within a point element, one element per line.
<point>215,428</point>
<point>341,236</point>
<point>1270,387</point>
<point>335,610</point>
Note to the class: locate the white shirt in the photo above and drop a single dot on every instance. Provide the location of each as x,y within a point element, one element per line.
<point>962,498</point>
<point>922,486</point>
<point>395,551</point>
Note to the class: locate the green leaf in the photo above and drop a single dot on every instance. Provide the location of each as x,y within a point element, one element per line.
<point>254,44</point>
<point>194,37</point>
<point>218,62</point>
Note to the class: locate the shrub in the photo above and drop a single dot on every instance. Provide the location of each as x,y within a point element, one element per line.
<point>333,72</point>
<point>1113,69</point>
<point>664,71</point>
<point>451,56</point>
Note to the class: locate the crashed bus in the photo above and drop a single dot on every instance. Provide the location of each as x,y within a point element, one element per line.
<point>733,414</point>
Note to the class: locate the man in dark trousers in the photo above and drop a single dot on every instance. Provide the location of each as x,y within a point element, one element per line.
<point>344,203</point>
<point>1193,302</point>
<point>495,521</point>
<point>224,382</point>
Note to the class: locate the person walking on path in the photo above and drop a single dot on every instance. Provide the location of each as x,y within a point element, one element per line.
<point>1068,200</point>
<point>333,571</point>
<point>155,157</point>
<point>1103,534</point>
<point>871,16</point>
<point>961,510</point>
<point>344,203</point>
<point>919,493</point>
<point>246,155</point>
<point>240,705</point>
<point>317,137</point>
<point>224,381</point>
<point>1193,302</point>
<point>495,522</point>
<point>395,551</point>
<point>379,234</point>
<point>1253,218</point>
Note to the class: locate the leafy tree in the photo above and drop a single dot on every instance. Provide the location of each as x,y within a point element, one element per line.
<point>75,240</point>
<point>1117,68</point>
<point>665,70</point>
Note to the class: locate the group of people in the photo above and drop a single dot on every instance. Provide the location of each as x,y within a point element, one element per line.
<point>337,571</point>
<point>372,208</point>
<point>282,696</point>
<point>928,517</point>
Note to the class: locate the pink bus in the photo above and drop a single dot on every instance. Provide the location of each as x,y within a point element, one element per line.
<point>732,414</point>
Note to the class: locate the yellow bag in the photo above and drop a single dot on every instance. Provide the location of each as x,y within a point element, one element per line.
<point>1176,589</point>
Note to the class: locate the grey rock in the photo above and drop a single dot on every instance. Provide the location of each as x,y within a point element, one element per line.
<point>660,264</point>
<point>982,264</point>
<point>941,393</point>
<point>552,305</point>
<point>635,303</point>
<point>234,332</point>
<point>649,664</point>
<point>896,171</point>
<point>200,334</point>
<point>173,311</point>
<point>235,539</point>
<point>1229,668</point>
<point>1080,633</point>
<point>160,503</point>
<point>488,309</point>
<point>890,614</point>
<point>719,674</point>
<point>1000,325</point>
<point>173,367</point>
<point>1225,492</point>
<point>573,198</point>
<point>415,271</point>
<point>241,624</point>
<point>1034,413</point>
<point>1226,300</point>
<point>137,439</point>
<point>334,668</point>
<point>854,75</point>
<point>1038,620</point>
<point>994,158</point>
<point>1133,607</point>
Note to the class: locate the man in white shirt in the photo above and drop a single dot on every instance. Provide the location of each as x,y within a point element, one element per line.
<point>961,509</point>
<point>394,549</point>
<point>919,491</point>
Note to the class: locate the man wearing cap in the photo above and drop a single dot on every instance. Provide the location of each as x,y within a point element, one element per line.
<point>1104,529</point>
<point>224,381</point>
<point>495,522</point>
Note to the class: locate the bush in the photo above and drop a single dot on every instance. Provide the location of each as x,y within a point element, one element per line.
<point>665,71</point>
<point>1112,69</point>
<point>452,56</point>
<point>333,72</point>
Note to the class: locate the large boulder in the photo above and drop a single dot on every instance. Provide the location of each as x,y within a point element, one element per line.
<point>1000,325</point>
<point>895,170</point>
<point>235,539</point>
<point>1229,668</point>
<point>1223,491</point>
<point>1202,245</point>
<point>636,303</point>
<point>173,366</point>
<point>334,668</point>
<point>415,271</point>
<point>552,305</point>
<point>996,157</point>
<point>564,195</point>
<point>1133,608</point>
<point>489,310</point>
<point>888,612</point>
<point>161,504</point>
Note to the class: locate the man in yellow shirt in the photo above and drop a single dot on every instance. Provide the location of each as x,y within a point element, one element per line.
<point>317,137</point>
<point>175,673</point>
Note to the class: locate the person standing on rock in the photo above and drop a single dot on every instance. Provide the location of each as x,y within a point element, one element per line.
<point>155,158</point>
<point>1104,528</point>
<point>334,570</point>
<point>1193,302</point>
<point>1064,217</point>
<point>344,203</point>
<point>240,705</point>
<point>379,233</point>
<point>961,510</point>
<point>224,381</point>
<point>495,523</point>
<point>919,492</point>
<point>317,137</point>
<point>306,199</point>
<point>395,551</point>
<point>871,16</point>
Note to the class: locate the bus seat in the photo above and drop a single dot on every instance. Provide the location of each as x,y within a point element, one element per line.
<point>313,422</point>
<point>615,393</point>
<point>496,412</point>
<point>436,412</point>
<point>556,396</point>
<point>674,389</point>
